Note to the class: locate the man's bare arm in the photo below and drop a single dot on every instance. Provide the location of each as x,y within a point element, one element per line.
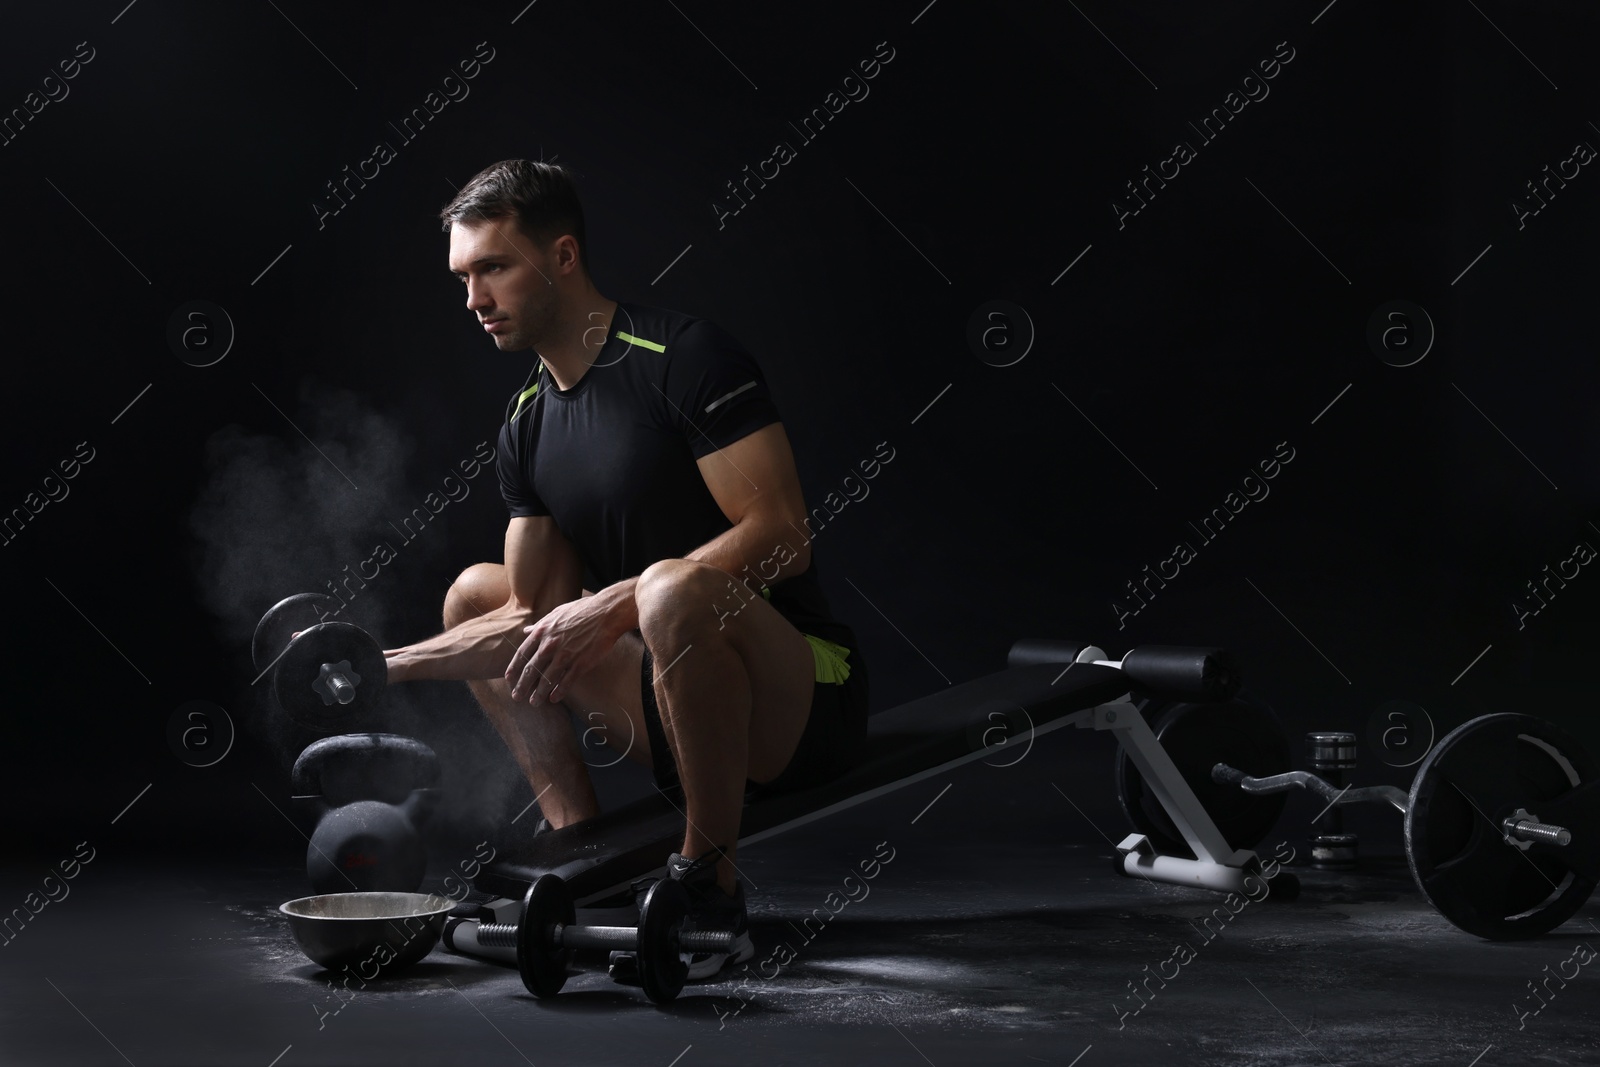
<point>756,484</point>
<point>543,570</point>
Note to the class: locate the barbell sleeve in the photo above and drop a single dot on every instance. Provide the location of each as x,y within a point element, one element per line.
<point>1529,829</point>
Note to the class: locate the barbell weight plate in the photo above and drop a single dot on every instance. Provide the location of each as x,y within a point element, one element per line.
<point>1480,773</point>
<point>662,971</point>
<point>299,670</point>
<point>289,615</point>
<point>1242,733</point>
<point>542,965</point>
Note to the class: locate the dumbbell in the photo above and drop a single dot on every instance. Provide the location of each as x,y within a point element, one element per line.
<point>546,935</point>
<point>1502,823</point>
<point>329,677</point>
<point>368,793</point>
<point>1333,759</point>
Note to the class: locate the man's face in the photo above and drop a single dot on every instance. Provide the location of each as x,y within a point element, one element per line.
<point>509,282</point>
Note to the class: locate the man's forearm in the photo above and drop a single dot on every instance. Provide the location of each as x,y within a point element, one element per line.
<point>622,610</point>
<point>756,550</point>
<point>478,648</point>
<point>760,548</point>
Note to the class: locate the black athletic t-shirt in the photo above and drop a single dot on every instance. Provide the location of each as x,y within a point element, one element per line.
<point>612,459</point>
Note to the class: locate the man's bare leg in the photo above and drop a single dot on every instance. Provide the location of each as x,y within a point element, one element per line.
<point>541,739</point>
<point>734,699</point>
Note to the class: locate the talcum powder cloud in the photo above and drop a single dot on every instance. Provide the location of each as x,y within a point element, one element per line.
<point>277,514</point>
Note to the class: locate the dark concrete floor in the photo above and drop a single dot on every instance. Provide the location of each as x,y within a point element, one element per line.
<point>996,934</point>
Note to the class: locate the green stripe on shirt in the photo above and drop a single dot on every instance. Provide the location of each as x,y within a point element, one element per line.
<point>640,341</point>
<point>522,400</point>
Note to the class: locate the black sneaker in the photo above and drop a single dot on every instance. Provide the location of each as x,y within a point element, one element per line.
<point>711,909</point>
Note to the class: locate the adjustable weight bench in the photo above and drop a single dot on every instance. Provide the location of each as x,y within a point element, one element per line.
<point>1048,684</point>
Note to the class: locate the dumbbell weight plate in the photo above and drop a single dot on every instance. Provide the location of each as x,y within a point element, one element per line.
<point>1242,733</point>
<point>544,967</point>
<point>662,971</point>
<point>300,668</point>
<point>285,618</point>
<point>1479,774</point>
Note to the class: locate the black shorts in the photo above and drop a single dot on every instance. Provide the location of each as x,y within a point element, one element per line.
<point>834,740</point>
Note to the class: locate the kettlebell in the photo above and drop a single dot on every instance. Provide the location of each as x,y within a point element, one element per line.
<point>368,794</point>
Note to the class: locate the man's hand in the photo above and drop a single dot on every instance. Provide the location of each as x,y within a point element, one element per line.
<point>563,646</point>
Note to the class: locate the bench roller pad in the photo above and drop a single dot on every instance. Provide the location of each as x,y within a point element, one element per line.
<point>1183,673</point>
<point>636,839</point>
<point>1027,651</point>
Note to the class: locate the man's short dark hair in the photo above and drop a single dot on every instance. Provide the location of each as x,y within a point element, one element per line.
<point>542,198</point>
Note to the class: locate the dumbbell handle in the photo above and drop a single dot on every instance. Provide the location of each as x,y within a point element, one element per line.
<point>504,935</point>
<point>1223,774</point>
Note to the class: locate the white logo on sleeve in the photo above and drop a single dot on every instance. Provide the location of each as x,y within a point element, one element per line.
<point>729,396</point>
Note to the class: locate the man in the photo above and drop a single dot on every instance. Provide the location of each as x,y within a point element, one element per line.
<point>647,455</point>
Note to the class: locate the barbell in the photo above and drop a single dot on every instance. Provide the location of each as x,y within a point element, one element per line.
<point>1502,823</point>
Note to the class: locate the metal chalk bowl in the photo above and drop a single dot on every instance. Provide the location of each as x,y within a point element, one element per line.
<point>370,932</point>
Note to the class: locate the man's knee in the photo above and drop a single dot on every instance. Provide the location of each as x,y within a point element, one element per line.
<point>478,589</point>
<point>678,593</point>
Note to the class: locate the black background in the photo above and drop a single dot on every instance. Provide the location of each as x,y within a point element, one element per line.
<point>1175,354</point>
